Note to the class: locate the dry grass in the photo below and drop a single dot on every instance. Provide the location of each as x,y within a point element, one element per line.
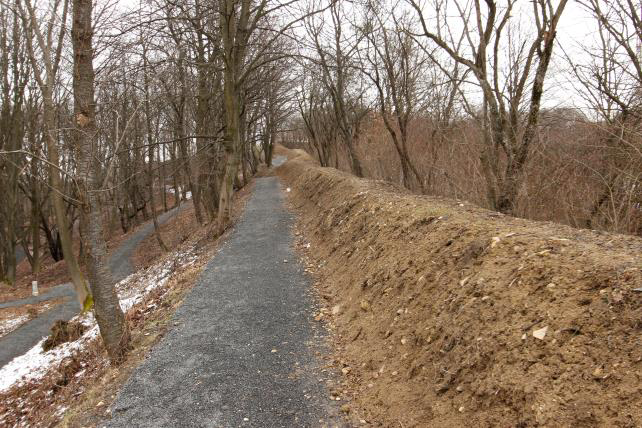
<point>29,312</point>
<point>174,232</point>
<point>51,274</point>
<point>570,168</point>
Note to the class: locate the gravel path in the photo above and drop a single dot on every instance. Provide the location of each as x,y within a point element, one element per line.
<point>119,261</point>
<point>27,335</point>
<point>242,349</point>
<point>62,290</point>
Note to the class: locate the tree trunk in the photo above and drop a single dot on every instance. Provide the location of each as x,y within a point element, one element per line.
<point>231,144</point>
<point>175,175</point>
<point>152,203</point>
<point>64,231</point>
<point>189,176</point>
<point>35,216</point>
<point>163,178</point>
<point>355,163</point>
<point>202,107</point>
<point>150,158</point>
<point>109,315</point>
<point>11,195</point>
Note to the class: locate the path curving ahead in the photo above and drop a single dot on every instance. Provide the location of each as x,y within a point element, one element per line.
<point>27,335</point>
<point>120,259</point>
<point>242,349</point>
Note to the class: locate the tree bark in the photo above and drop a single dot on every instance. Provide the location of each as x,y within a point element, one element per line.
<point>231,146</point>
<point>109,315</point>
<point>35,212</point>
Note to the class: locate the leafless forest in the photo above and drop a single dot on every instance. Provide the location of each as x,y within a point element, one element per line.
<point>109,108</point>
<point>479,101</point>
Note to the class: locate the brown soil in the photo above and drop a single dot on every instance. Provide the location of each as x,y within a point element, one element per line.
<point>62,332</point>
<point>435,305</point>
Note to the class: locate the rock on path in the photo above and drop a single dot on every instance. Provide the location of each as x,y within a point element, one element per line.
<point>242,349</point>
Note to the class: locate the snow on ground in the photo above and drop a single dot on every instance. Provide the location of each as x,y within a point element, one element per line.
<point>169,189</point>
<point>7,326</point>
<point>36,363</point>
<point>132,290</point>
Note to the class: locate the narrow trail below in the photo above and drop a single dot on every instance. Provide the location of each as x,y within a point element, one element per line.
<point>244,348</point>
<point>26,336</point>
<point>62,290</point>
<point>120,259</point>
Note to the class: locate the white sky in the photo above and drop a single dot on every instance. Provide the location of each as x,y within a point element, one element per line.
<point>576,26</point>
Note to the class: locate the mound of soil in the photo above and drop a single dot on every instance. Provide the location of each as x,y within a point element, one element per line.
<point>62,332</point>
<point>447,314</point>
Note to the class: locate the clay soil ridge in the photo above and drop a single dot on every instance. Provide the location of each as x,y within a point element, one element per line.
<point>446,314</point>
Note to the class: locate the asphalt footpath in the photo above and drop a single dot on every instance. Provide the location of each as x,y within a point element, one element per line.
<point>244,349</point>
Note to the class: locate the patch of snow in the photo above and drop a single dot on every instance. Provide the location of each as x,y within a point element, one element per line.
<point>7,326</point>
<point>35,363</point>
<point>61,411</point>
<point>169,189</point>
<point>150,279</point>
<point>132,290</point>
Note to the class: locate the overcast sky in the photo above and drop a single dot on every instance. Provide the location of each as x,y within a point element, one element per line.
<point>576,26</point>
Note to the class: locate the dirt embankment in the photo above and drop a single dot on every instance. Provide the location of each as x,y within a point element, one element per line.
<point>447,314</point>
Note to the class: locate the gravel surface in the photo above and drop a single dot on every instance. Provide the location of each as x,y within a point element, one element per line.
<point>26,336</point>
<point>120,260</point>
<point>243,348</point>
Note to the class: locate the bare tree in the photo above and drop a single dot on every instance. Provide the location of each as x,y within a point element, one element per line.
<point>335,60</point>
<point>505,124</point>
<point>245,49</point>
<point>151,147</point>
<point>15,75</point>
<point>318,118</point>
<point>109,315</point>
<point>45,49</point>
<point>609,79</point>
<point>395,65</point>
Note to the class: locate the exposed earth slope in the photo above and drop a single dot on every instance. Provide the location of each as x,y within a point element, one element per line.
<point>447,314</point>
